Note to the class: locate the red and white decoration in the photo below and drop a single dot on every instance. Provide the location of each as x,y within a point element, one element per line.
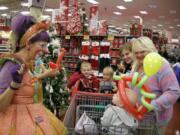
<point>95,48</point>
<point>104,47</point>
<point>61,15</point>
<point>94,62</point>
<point>74,25</point>
<point>93,23</point>
<point>103,27</point>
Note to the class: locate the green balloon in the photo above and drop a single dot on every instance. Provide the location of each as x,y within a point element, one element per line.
<point>134,79</point>
<point>152,63</point>
<point>147,95</point>
<point>117,77</point>
<point>143,80</point>
<point>146,104</point>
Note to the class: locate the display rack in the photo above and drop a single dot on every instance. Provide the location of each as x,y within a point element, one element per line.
<point>73,45</point>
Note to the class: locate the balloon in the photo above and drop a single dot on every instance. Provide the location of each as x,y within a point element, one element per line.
<point>57,64</point>
<point>142,82</point>
<point>134,80</point>
<point>117,77</point>
<point>52,65</point>
<point>147,95</point>
<point>152,63</point>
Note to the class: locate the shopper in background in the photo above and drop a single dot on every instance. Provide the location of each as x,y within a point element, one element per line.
<point>88,82</point>
<point>176,68</point>
<point>163,52</point>
<point>126,54</point>
<point>107,85</point>
<point>20,114</point>
<point>164,84</point>
<point>75,76</point>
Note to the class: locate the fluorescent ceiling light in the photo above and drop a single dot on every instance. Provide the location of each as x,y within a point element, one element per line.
<point>160,25</point>
<point>49,10</point>
<point>137,17</point>
<point>178,25</point>
<point>117,13</point>
<point>171,27</point>
<point>4,15</point>
<point>25,4</point>
<point>25,12</point>
<point>3,8</point>
<point>46,16</point>
<point>111,26</point>
<point>125,25</point>
<point>143,12</point>
<point>154,27</point>
<point>119,28</point>
<point>127,0</point>
<point>92,1</point>
<point>121,7</point>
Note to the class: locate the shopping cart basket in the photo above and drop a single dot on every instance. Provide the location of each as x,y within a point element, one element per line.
<point>94,105</point>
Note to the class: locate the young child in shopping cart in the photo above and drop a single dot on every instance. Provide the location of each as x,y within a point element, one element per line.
<point>88,82</point>
<point>116,118</point>
<point>107,85</point>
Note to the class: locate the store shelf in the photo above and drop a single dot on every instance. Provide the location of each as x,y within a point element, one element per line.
<point>115,57</point>
<point>70,67</point>
<point>71,57</point>
<point>70,61</point>
<point>114,48</point>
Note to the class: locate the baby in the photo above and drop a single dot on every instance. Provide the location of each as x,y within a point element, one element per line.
<point>107,85</point>
<point>88,82</point>
<point>116,117</point>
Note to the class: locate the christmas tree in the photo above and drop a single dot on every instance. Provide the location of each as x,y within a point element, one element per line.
<point>56,96</point>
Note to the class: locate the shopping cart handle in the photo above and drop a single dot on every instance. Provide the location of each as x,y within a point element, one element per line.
<point>100,106</point>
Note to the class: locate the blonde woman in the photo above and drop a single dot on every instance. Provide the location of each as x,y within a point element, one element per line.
<point>164,84</point>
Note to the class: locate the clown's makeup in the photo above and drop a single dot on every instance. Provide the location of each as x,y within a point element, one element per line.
<point>37,49</point>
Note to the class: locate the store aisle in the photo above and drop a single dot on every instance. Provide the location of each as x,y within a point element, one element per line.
<point>174,125</point>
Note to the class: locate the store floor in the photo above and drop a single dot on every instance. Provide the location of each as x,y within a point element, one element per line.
<point>174,125</point>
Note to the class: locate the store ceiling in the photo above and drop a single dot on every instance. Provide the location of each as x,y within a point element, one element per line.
<point>160,12</point>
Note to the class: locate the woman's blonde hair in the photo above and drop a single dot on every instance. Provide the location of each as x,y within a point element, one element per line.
<point>142,44</point>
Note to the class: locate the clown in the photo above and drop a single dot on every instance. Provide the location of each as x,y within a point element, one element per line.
<point>19,113</point>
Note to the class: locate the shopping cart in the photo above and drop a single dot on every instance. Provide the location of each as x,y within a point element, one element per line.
<point>94,105</point>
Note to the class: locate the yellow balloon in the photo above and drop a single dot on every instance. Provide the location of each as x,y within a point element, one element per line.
<point>152,63</point>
